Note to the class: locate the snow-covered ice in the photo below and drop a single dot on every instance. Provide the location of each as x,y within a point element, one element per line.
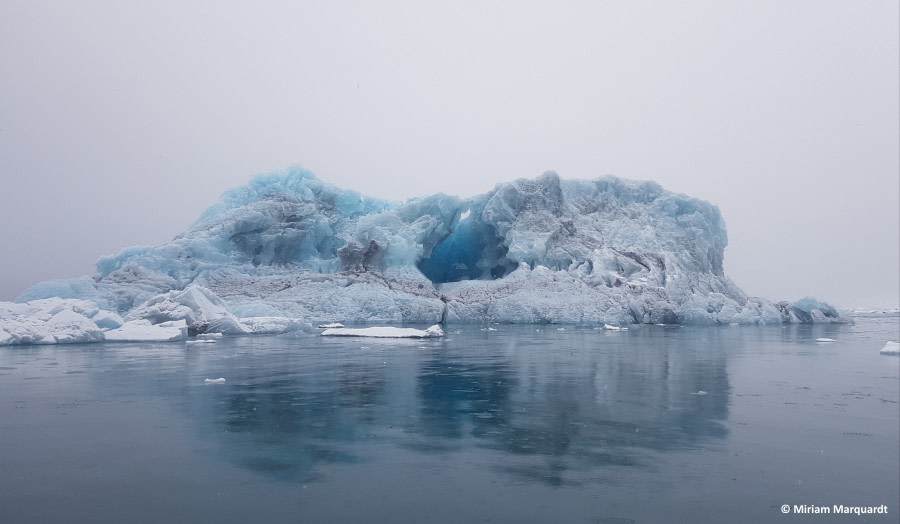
<point>385,332</point>
<point>331,325</point>
<point>214,381</point>
<point>49,321</point>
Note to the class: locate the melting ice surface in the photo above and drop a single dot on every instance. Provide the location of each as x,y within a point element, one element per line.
<point>509,425</point>
<point>288,250</point>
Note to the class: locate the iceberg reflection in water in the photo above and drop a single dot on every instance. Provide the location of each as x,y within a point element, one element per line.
<point>522,423</point>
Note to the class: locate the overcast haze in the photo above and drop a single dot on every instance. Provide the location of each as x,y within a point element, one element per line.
<point>120,122</point>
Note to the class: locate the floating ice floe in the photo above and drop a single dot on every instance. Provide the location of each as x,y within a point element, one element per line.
<point>200,341</point>
<point>214,381</point>
<point>890,348</point>
<point>385,332</point>
<point>609,327</point>
<point>824,340</point>
<point>331,325</point>
<point>271,325</point>
<point>144,331</point>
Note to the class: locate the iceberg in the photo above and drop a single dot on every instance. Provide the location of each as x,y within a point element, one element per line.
<point>289,251</point>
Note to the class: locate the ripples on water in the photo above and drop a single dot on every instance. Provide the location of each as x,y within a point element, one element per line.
<point>520,424</point>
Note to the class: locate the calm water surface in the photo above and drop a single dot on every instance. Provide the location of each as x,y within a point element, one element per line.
<point>521,424</point>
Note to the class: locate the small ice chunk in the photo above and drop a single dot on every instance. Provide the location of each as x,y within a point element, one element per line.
<point>890,348</point>
<point>331,325</point>
<point>143,331</point>
<point>214,381</point>
<point>201,341</point>
<point>701,392</point>
<point>271,325</point>
<point>385,332</point>
<point>614,328</point>
<point>209,336</point>
<point>824,340</point>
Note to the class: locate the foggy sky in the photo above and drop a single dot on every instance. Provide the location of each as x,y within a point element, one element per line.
<point>120,122</point>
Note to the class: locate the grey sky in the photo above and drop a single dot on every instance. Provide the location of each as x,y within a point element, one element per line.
<point>121,121</point>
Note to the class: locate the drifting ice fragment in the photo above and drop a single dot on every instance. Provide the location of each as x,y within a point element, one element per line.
<point>201,341</point>
<point>614,328</point>
<point>331,325</point>
<point>385,332</point>
<point>271,325</point>
<point>824,340</point>
<point>890,348</point>
<point>214,381</point>
<point>144,331</point>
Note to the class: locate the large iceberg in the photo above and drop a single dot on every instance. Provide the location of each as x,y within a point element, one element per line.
<point>288,249</point>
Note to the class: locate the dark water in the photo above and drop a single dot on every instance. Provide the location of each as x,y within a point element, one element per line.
<point>513,425</point>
